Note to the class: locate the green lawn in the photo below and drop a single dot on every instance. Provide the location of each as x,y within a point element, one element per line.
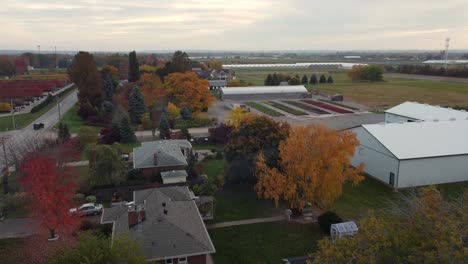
<point>390,92</point>
<point>263,243</point>
<point>263,109</point>
<point>214,167</point>
<point>218,147</point>
<point>72,119</point>
<point>242,203</point>
<point>373,195</point>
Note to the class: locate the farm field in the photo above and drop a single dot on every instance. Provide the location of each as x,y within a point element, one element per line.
<point>263,109</point>
<point>328,107</point>
<point>384,94</point>
<point>307,107</point>
<point>285,108</point>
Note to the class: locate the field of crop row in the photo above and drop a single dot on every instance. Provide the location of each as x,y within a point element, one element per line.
<point>19,91</point>
<point>293,106</point>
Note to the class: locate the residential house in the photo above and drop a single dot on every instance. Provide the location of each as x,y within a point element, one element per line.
<point>161,156</point>
<point>166,223</point>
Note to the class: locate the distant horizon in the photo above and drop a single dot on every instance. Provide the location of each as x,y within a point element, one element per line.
<point>243,25</point>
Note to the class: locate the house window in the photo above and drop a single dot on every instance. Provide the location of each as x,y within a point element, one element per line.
<point>182,260</point>
<point>169,261</point>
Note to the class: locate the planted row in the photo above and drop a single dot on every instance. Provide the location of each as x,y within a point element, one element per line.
<point>263,109</point>
<point>328,107</point>
<point>286,108</point>
<point>307,107</point>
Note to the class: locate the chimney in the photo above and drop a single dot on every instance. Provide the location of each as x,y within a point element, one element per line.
<point>155,159</point>
<point>132,218</point>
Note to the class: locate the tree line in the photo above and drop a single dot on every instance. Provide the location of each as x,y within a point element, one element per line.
<point>276,79</point>
<point>452,71</point>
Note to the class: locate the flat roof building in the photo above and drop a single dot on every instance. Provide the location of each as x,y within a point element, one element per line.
<point>264,92</point>
<point>413,111</point>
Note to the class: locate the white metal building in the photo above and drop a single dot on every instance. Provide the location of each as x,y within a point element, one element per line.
<point>414,154</point>
<point>264,92</point>
<point>413,111</point>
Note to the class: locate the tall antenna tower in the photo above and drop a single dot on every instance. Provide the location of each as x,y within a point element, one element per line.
<point>447,44</point>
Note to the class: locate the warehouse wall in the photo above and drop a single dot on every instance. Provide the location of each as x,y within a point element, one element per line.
<point>254,97</point>
<point>391,118</point>
<point>378,161</point>
<point>418,172</point>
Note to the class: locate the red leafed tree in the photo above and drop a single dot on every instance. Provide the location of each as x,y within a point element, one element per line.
<point>51,185</point>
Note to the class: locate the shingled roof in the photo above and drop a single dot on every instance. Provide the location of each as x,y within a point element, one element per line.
<point>172,227</point>
<point>168,153</point>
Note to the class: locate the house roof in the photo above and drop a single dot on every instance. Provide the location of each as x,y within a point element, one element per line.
<point>412,140</point>
<point>168,153</point>
<point>426,112</point>
<point>174,173</point>
<point>298,260</point>
<point>173,225</point>
<point>265,89</point>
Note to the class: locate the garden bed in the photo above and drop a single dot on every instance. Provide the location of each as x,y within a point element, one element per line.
<point>286,108</point>
<point>307,107</point>
<point>328,107</point>
<point>341,105</point>
<point>263,109</point>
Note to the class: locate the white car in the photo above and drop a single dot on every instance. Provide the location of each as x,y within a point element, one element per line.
<point>87,209</point>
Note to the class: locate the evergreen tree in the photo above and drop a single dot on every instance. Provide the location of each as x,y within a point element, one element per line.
<point>127,135</point>
<point>297,76</point>
<point>313,79</point>
<point>109,88</point>
<point>137,105</point>
<point>275,80</point>
<point>330,79</point>
<point>322,79</point>
<point>268,80</point>
<point>107,108</point>
<point>133,67</point>
<point>185,132</point>
<point>304,80</point>
<point>185,113</point>
<point>294,81</point>
<point>63,132</point>
<point>164,127</point>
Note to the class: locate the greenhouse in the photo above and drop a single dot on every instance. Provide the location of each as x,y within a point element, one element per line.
<point>343,229</point>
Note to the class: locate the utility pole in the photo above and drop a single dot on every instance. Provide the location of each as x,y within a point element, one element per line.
<point>13,114</point>
<point>38,56</point>
<point>56,66</point>
<point>447,44</point>
<point>58,106</point>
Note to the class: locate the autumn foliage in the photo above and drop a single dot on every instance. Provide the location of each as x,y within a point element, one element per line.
<point>186,89</point>
<point>237,115</point>
<point>152,90</point>
<point>314,164</point>
<point>51,185</point>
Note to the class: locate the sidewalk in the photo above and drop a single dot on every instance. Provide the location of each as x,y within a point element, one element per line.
<point>17,227</point>
<point>246,222</point>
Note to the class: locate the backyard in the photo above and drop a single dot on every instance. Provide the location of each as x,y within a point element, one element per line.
<point>390,92</point>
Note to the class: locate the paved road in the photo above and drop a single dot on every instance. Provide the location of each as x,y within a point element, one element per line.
<point>20,141</point>
<point>17,227</point>
<point>427,77</point>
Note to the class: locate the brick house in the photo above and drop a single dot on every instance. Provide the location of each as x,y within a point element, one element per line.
<point>166,223</point>
<point>161,156</point>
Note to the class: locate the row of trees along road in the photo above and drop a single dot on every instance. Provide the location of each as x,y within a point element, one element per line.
<point>276,79</point>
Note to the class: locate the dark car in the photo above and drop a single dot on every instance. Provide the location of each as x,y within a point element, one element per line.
<point>38,126</point>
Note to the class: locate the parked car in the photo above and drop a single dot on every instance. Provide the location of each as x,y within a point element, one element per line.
<point>38,126</point>
<point>87,209</point>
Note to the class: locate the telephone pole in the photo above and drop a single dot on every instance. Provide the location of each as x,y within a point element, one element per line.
<point>38,56</point>
<point>13,114</point>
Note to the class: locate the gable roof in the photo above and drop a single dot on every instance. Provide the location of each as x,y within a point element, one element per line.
<point>422,139</point>
<point>173,226</point>
<point>168,153</point>
<point>426,112</point>
<point>174,173</point>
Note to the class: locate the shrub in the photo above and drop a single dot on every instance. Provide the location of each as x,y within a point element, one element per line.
<point>200,120</point>
<point>219,155</point>
<point>91,199</point>
<point>326,219</point>
<point>43,104</point>
<point>79,198</point>
<point>135,174</point>
<point>86,225</point>
<point>214,150</point>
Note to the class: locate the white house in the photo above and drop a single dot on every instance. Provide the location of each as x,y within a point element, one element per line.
<point>414,154</point>
<point>413,111</point>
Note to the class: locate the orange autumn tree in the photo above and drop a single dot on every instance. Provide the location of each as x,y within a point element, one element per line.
<point>152,89</point>
<point>186,89</point>
<point>315,163</point>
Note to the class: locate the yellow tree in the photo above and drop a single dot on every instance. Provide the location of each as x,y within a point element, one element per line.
<point>421,227</point>
<point>186,89</point>
<point>237,115</point>
<point>173,110</point>
<point>314,165</point>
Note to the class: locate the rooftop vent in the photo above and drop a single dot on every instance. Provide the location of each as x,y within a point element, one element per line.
<point>452,119</point>
<point>164,204</point>
<point>419,121</point>
<point>436,120</point>
<point>165,211</point>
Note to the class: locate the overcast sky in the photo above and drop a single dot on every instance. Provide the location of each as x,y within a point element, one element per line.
<point>233,24</point>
